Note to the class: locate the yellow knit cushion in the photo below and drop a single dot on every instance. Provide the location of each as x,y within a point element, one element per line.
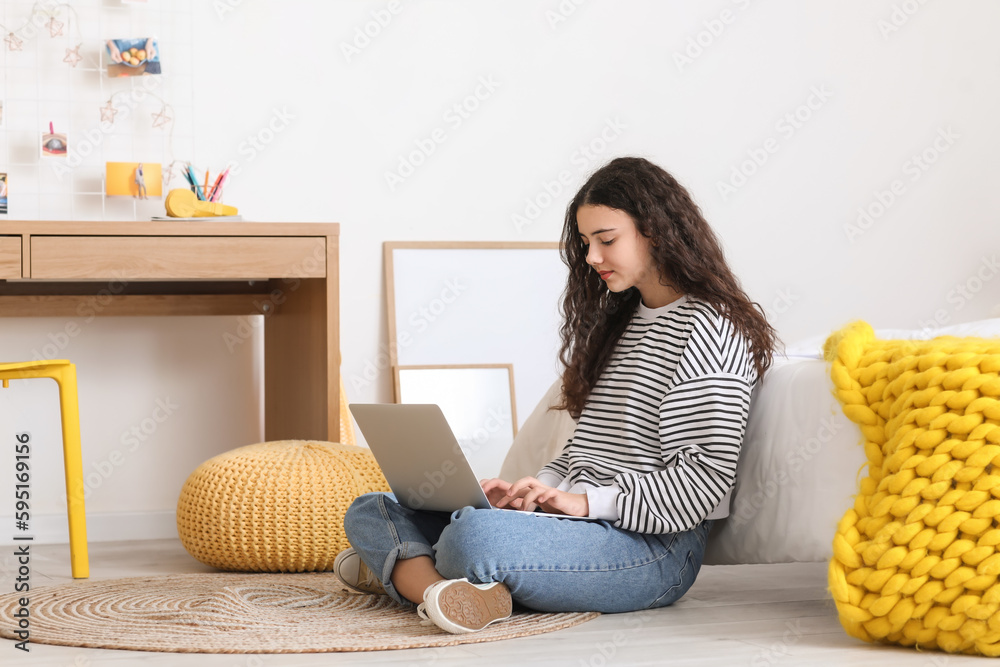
<point>916,560</point>
<point>274,506</point>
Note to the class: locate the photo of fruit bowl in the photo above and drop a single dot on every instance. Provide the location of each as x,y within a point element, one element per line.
<point>132,57</point>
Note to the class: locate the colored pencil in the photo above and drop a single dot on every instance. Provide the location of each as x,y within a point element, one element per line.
<point>194,182</point>
<point>215,188</point>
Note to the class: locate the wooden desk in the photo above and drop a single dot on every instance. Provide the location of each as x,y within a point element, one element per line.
<point>287,272</point>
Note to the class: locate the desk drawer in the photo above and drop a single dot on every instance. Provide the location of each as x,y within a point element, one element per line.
<point>10,257</point>
<point>176,257</point>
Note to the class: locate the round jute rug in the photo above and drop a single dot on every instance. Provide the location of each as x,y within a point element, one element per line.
<point>241,613</point>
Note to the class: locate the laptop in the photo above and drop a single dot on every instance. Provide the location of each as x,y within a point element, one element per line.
<point>422,460</point>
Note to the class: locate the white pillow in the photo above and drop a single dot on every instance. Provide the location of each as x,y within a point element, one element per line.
<point>799,468</point>
<point>540,439</point>
<point>812,347</point>
<point>798,471</point>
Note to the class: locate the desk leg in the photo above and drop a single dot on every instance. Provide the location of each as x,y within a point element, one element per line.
<point>301,346</point>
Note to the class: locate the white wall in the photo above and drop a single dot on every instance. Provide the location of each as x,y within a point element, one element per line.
<point>887,80</point>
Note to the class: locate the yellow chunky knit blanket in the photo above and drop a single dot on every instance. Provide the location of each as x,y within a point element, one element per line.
<point>916,561</point>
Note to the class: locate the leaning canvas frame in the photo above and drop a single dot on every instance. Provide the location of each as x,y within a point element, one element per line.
<point>478,402</point>
<point>477,303</point>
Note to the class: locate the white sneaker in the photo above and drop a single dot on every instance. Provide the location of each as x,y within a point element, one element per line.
<point>459,606</point>
<point>353,573</point>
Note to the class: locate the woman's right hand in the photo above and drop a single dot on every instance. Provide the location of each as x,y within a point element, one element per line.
<point>116,55</point>
<point>495,489</point>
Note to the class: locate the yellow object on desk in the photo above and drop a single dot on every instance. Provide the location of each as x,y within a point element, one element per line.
<point>182,203</point>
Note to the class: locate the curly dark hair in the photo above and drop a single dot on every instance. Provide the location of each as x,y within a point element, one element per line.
<point>684,247</point>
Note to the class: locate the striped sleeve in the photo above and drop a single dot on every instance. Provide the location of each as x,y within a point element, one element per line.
<point>559,466</point>
<point>701,427</point>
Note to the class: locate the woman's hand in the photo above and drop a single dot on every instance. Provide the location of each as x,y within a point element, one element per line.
<point>528,493</point>
<point>113,51</point>
<point>495,489</point>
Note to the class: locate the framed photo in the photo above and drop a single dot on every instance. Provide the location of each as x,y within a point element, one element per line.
<point>134,56</point>
<point>133,179</point>
<point>54,144</point>
<point>478,402</point>
<point>471,302</point>
<point>3,193</point>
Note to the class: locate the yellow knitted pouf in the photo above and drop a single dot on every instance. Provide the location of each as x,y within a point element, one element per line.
<point>916,561</point>
<point>274,506</point>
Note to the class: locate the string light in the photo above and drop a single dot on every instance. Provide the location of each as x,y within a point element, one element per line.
<point>14,39</point>
<point>108,112</point>
<point>73,55</point>
<point>55,26</point>
<point>48,16</point>
<point>160,119</point>
<point>14,43</point>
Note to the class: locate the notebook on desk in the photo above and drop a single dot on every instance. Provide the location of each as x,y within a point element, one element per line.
<point>422,460</point>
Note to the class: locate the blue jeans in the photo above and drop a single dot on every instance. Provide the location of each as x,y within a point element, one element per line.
<point>548,564</point>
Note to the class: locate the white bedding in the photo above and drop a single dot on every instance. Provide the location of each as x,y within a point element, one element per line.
<point>800,463</point>
<point>797,474</point>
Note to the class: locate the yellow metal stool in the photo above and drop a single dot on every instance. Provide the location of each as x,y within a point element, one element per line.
<point>64,373</point>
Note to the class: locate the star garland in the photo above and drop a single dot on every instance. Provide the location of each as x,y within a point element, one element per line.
<point>108,112</point>
<point>161,118</point>
<point>55,26</point>
<point>14,43</point>
<point>73,55</point>
<point>15,38</point>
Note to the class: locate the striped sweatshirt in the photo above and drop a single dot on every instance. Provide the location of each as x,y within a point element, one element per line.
<point>656,445</point>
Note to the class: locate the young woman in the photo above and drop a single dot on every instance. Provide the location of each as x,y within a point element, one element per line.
<point>661,349</point>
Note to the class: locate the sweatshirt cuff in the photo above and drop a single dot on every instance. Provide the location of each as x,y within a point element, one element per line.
<point>603,501</point>
<point>549,478</point>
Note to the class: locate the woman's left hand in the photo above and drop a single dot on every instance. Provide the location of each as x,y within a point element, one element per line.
<point>528,492</point>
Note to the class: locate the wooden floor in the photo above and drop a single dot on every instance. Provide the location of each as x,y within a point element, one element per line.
<point>755,615</point>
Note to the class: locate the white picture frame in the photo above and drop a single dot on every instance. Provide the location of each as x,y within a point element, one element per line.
<point>478,402</point>
<point>477,303</point>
